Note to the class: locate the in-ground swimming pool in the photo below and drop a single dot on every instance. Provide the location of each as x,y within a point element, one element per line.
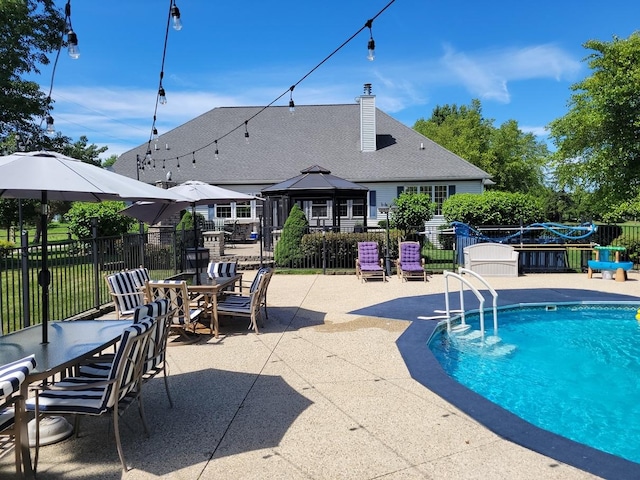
<point>572,369</point>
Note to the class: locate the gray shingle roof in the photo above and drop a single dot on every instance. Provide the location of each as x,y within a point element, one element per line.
<point>281,145</point>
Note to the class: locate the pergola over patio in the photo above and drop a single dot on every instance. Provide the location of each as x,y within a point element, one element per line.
<point>313,183</point>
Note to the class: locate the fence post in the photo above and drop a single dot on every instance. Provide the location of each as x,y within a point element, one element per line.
<point>24,255</point>
<point>324,251</point>
<point>141,245</point>
<point>96,267</point>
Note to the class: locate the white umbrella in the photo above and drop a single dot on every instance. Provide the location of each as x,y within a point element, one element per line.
<point>198,193</point>
<point>53,176</point>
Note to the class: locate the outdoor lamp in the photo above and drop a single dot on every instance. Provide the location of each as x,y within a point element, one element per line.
<point>50,127</point>
<point>72,41</point>
<point>371,46</point>
<point>175,14</point>
<point>162,97</point>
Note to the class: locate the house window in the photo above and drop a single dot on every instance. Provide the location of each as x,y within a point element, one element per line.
<point>439,196</point>
<point>243,211</point>
<point>342,210</point>
<point>223,211</point>
<point>319,209</point>
<point>437,193</point>
<point>357,208</point>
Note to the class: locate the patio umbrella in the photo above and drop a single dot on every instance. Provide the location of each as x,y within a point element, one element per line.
<point>53,176</point>
<point>197,193</point>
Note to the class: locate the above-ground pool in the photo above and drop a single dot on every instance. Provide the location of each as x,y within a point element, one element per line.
<point>569,369</point>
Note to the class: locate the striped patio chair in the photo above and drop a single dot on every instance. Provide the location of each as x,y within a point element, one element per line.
<point>222,269</point>
<point>238,297</point>
<point>85,396</point>
<point>125,294</point>
<point>12,420</point>
<point>250,306</point>
<point>155,363</point>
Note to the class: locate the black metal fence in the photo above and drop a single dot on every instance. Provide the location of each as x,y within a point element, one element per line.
<point>77,270</point>
<point>78,267</point>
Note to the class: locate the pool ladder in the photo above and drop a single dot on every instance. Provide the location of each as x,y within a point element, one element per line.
<point>447,312</point>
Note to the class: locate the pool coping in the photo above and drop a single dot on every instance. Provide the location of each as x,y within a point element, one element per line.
<point>424,368</point>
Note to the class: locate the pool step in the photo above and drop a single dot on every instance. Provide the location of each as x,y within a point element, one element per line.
<point>490,344</point>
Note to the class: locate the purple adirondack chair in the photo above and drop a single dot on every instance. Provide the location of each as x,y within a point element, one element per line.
<point>410,264</point>
<point>369,263</point>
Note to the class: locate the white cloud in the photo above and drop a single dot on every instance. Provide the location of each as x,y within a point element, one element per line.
<point>487,74</point>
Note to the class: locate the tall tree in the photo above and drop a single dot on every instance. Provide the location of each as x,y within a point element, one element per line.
<point>514,159</point>
<point>29,30</point>
<point>598,140</point>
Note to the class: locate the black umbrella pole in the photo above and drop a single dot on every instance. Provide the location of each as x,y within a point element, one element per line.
<point>44,277</point>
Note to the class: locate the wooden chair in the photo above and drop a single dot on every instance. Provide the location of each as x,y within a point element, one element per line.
<point>12,409</point>
<point>230,296</point>
<point>186,308</point>
<point>369,263</point>
<point>86,396</point>
<point>410,263</point>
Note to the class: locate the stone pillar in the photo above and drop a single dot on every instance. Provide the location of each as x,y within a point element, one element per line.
<point>214,242</point>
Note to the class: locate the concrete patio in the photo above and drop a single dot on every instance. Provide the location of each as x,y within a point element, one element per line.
<point>322,393</point>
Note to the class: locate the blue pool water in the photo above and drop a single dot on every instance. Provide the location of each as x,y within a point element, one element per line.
<point>574,371</point>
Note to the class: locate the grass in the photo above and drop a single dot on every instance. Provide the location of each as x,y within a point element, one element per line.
<point>56,232</point>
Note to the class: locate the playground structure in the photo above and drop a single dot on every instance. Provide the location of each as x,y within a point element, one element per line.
<point>542,247</point>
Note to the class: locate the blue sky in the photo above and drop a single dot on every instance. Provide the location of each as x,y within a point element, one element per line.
<point>519,59</point>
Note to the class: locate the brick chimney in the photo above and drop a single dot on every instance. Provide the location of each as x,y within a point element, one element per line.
<point>367,120</point>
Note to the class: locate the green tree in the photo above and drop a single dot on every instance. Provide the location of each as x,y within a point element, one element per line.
<point>412,210</point>
<point>30,30</point>
<point>514,159</point>
<point>110,221</point>
<point>288,251</point>
<point>597,139</point>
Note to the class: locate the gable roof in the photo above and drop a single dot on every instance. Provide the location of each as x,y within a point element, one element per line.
<point>281,144</point>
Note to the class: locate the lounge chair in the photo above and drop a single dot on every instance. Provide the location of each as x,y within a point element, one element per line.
<point>410,263</point>
<point>12,418</point>
<point>369,263</point>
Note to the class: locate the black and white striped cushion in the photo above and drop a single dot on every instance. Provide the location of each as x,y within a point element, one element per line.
<point>13,374</point>
<point>221,269</point>
<point>129,295</point>
<point>140,276</point>
<point>96,400</point>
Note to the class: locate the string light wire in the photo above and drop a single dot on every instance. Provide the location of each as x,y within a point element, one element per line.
<point>289,90</point>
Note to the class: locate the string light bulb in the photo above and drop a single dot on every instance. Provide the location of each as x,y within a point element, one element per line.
<point>155,133</point>
<point>371,45</point>
<point>292,105</point>
<point>50,127</point>
<point>175,15</point>
<point>215,153</point>
<point>162,97</point>
<point>246,131</point>
<point>72,43</point>
<point>193,159</point>
<point>178,162</point>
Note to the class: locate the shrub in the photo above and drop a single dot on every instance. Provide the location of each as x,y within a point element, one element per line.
<point>110,221</point>
<point>493,208</point>
<point>288,251</point>
<point>6,247</point>
<point>631,244</point>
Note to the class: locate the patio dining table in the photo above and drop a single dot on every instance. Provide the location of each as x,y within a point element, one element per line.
<point>69,343</point>
<point>210,288</point>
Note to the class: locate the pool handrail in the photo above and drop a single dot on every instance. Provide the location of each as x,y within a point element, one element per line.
<point>478,295</point>
<point>494,294</point>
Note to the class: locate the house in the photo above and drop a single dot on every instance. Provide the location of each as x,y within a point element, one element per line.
<point>250,148</point>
